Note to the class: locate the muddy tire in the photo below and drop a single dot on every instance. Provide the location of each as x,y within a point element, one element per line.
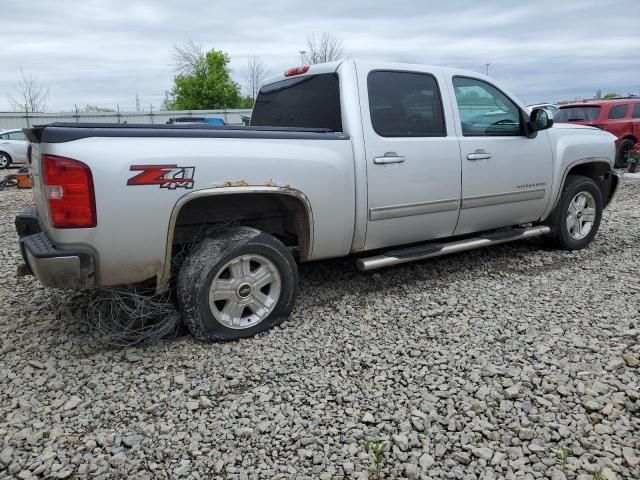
<point>622,152</point>
<point>235,284</point>
<point>576,218</point>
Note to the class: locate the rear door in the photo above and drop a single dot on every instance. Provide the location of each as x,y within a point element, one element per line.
<point>506,177</point>
<point>635,119</point>
<point>412,156</point>
<point>618,120</point>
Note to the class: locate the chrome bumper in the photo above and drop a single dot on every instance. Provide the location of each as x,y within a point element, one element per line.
<point>52,266</point>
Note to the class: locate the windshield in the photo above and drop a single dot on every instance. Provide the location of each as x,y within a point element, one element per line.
<point>577,114</point>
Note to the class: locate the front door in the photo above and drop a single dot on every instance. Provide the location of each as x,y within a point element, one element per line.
<point>413,157</point>
<point>506,177</point>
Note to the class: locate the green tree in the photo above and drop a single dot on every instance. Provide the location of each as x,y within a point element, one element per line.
<point>207,85</point>
<point>610,95</point>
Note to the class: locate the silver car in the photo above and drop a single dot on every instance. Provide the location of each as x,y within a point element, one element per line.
<point>13,147</point>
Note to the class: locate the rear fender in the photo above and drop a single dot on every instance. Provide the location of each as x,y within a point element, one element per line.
<point>307,244</point>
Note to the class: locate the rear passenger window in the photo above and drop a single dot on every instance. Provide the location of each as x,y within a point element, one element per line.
<point>636,110</point>
<point>405,104</point>
<point>619,111</point>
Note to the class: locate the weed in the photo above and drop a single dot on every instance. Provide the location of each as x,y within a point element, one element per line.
<point>474,437</point>
<point>563,455</point>
<point>376,450</point>
<point>598,475</point>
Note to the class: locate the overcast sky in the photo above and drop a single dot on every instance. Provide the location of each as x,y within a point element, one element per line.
<point>104,52</point>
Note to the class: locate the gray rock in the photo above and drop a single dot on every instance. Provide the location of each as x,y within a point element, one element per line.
<point>6,456</point>
<point>412,471</point>
<point>368,418</point>
<point>132,440</point>
<point>629,456</point>
<point>592,405</point>
<point>401,441</point>
<point>72,403</point>
<point>244,432</point>
<point>462,457</point>
<point>426,461</point>
<point>526,434</point>
<point>485,453</point>
<point>631,359</point>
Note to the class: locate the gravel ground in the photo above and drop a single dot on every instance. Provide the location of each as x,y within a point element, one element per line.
<point>509,362</point>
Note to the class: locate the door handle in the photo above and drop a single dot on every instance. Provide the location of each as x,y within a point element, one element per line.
<point>387,158</point>
<point>478,155</point>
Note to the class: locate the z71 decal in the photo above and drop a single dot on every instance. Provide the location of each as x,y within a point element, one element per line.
<point>167,176</point>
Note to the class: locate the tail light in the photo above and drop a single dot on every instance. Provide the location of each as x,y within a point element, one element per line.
<point>68,186</point>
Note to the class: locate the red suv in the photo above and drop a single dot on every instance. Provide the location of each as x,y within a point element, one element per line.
<point>620,116</point>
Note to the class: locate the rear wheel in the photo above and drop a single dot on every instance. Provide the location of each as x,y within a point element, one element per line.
<point>237,284</point>
<point>5,160</point>
<point>622,153</point>
<point>576,218</point>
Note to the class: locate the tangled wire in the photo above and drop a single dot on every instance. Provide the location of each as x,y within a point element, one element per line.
<point>125,317</point>
<point>128,316</point>
<point>8,181</point>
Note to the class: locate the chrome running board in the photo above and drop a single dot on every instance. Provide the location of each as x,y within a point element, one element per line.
<point>430,250</point>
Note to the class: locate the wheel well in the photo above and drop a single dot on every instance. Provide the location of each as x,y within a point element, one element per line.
<point>7,154</point>
<point>629,137</point>
<point>599,172</point>
<point>281,215</point>
<point>593,170</point>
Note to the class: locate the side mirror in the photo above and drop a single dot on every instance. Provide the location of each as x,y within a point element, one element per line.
<point>541,119</point>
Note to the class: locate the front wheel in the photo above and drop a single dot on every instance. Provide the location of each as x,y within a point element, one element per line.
<point>237,284</point>
<point>576,219</point>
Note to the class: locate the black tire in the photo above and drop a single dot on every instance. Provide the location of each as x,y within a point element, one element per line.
<point>5,160</point>
<point>206,262</point>
<point>560,236</point>
<point>622,152</point>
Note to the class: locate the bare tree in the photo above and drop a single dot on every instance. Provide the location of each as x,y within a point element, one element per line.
<point>327,48</point>
<point>29,95</point>
<point>254,74</point>
<point>185,57</point>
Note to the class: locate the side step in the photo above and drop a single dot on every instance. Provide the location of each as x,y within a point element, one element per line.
<point>430,250</point>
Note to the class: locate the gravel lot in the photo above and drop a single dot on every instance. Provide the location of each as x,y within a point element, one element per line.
<point>509,362</point>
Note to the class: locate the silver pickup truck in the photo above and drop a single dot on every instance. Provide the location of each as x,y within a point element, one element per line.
<point>386,162</point>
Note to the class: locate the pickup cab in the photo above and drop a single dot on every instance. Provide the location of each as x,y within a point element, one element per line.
<point>388,163</point>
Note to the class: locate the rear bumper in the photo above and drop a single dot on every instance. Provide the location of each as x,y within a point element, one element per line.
<point>52,266</point>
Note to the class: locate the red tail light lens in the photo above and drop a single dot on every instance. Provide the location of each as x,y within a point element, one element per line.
<point>296,71</point>
<point>69,191</point>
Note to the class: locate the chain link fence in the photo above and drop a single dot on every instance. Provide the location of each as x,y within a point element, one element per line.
<point>10,120</point>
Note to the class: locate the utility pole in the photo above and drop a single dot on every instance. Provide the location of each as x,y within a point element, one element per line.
<point>137,103</point>
<point>487,68</point>
<point>302,52</point>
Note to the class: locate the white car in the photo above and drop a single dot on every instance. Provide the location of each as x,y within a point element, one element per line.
<point>13,147</point>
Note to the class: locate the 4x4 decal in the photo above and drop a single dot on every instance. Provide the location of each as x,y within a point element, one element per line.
<point>167,176</point>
